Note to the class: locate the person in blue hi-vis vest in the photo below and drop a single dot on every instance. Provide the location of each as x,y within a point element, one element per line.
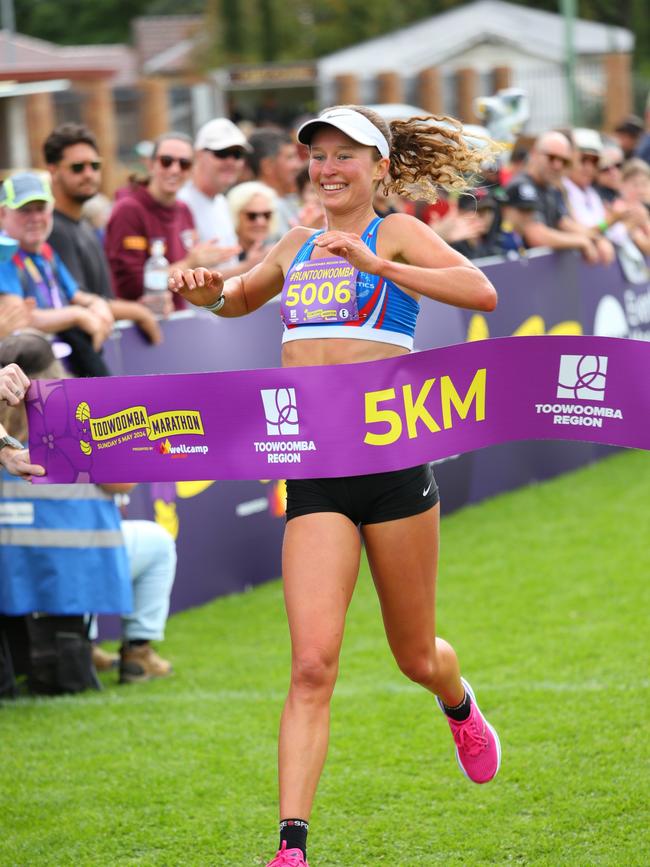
<point>65,550</point>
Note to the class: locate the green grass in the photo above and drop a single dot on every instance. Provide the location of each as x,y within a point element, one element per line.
<point>543,592</point>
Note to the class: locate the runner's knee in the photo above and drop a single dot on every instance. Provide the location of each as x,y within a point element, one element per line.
<point>314,672</point>
<point>420,667</point>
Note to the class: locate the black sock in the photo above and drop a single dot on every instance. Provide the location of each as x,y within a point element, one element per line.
<point>294,831</point>
<point>136,642</point>
<point>460,711</point>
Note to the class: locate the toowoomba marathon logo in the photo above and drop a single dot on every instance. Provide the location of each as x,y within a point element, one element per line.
<point>135,424</point>
<point>580,395</point>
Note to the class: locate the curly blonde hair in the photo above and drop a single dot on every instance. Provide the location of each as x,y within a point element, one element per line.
<point>428,153</point>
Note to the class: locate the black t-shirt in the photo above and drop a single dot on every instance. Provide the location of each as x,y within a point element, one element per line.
<point>550,204</point>
<point>77,244</point>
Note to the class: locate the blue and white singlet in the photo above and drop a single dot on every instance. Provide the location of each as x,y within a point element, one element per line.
<point>386,313</point>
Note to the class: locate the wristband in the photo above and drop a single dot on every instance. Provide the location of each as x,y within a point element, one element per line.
<point>218,304</point>
<point>603,226</point>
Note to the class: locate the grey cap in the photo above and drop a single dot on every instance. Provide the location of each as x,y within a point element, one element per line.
<point>24,187</point>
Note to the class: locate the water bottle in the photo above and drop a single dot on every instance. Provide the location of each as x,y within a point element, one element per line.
<point>156,275</point>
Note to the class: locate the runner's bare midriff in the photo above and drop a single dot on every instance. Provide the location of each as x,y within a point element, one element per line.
<point>335,350</point>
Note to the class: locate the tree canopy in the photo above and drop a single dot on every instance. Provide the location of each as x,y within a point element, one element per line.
<point>262,30</point>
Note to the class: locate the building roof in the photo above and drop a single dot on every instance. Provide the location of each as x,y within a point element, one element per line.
<point>26,58</point>
<point>164,43</point>
<point>435,40</point>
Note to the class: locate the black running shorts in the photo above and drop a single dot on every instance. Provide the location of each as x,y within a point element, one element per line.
<point>368,499</point>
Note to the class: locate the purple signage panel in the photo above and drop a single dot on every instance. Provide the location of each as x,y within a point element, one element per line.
<point>341,420</point>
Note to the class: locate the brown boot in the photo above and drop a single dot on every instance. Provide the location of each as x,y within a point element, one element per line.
<point>104,661</point>
<point>139,663</point>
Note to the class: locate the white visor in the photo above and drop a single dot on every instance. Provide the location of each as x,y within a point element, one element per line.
<point>353,124</point>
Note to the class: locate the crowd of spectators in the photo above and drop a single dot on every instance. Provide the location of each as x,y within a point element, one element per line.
<point>218,201</point>
<point>575,190</point>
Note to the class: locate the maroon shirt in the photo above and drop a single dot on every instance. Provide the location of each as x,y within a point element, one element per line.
<point>136,219</point>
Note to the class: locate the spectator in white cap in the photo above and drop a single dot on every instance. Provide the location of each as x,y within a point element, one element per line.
<point>220,147</point>
<point>585,205</point>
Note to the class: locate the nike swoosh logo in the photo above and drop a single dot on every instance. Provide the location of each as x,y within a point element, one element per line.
<point>427,489</point>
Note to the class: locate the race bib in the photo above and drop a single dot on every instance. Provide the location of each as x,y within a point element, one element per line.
<point>322,290</point>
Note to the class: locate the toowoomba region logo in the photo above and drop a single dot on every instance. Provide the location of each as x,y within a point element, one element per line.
<point>281,411</point>
<point>580,378</point>
<point>135,423</point>
<point>281,416</point>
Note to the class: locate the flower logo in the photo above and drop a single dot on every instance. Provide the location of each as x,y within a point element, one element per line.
<point>52,443</point>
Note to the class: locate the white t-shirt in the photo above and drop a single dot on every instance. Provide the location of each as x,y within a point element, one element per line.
<point>211,218</point>
<point>588,209</point>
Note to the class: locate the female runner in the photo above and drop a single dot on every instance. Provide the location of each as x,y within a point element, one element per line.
<point>352,151</point>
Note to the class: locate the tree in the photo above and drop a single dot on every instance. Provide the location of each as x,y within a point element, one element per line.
<point>258,30</point>
<point>86,22</point>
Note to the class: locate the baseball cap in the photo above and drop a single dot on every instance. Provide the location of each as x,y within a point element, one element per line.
<point>522,195</point>
<point>587,140</point>
<point>219,134</point>
<point>351,123</point>
<point>24,187</point>
<point>632,124</point>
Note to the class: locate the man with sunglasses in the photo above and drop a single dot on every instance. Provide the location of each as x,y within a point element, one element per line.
<point>219,151</point>
<point>149,209</point>
<point>73,160</point>
<point>610,165</point>
<point>552,225</point>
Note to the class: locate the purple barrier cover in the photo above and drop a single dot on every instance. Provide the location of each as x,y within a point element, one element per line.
<point>341,420</point>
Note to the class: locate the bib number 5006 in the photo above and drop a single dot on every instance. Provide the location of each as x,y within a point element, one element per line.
<point>322,293</point>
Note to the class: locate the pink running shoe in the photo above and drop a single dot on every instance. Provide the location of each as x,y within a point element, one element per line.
<point>478,750</point>
<point>288,858</point>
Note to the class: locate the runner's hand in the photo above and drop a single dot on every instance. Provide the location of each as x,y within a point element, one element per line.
<point>198,286</point>
<point>351,248</point>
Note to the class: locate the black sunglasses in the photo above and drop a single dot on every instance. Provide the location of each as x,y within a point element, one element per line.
<point>258,215</point>
<point>77,168</point>
<point>557,158</point>
<point>166,161</point>
<point>235,153</point>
